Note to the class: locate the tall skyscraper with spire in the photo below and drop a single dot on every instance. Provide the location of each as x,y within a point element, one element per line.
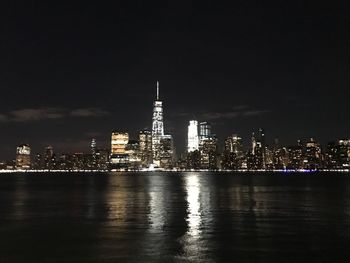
<point>157,127</point>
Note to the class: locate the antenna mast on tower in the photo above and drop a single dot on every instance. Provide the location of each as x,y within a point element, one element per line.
<point>157,90</point>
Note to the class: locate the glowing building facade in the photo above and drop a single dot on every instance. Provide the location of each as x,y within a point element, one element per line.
<point>119,158</point>
<point>166,152</point>
<point>233,154</point>
<point>208,153</point>
<point>337,154</point>
<point>204,130</point>
<point>118,142</point>
<point>192,136</point>
<point>233,144</point>
<point>133,151</point>
<point>145,138</point>
<point>23,157</point>
<point>207,146</point>
<point>257,156</point>
<point>157,128</point>
<point>312,155</point>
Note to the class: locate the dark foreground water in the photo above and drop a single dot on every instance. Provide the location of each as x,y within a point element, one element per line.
<point>175,217</point>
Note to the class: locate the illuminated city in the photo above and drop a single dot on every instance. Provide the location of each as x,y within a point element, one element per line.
<point>174,131</point>
<point>154,150</point>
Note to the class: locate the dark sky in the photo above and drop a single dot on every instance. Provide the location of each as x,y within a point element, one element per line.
<point>73,71</point>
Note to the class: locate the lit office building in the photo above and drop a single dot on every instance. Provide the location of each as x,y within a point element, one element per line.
<point>233,144</point>
<point>338,154</point>
<point>345,142</point>
<point>193,160</point>
<point>157,127</point>
<point>253,144</point>
<point>204,130</point>
<point>207,148</point>
<point>260,149</point>
<point>93,153</point>
<point>257,156</point>
<point>119,142</point>
<point>312,157</point>
<point>102,159</point>
<point>133,151</point>
<point>233,154</point>
<point>344,153</point>
<point>192,137</point>
<point>119,159</point>
<point>295,156</point>
<point>280,158</point>
<point>65,162</point>
<point>49,158</point>
<point>166,152</point>
<point>208,153</point>
<point>145,138</point>
<point>77,161</point>
<point>23,157</point>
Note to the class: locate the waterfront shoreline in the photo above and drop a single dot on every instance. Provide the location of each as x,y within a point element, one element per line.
<point>175,171</point>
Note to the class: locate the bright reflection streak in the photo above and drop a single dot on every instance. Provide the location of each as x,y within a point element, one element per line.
<point>193,210</point>
<point>158,211</point>
<point>117,198</point>
<point>156,216</point>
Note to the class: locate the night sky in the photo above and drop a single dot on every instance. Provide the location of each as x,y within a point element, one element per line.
<point>73,71</point>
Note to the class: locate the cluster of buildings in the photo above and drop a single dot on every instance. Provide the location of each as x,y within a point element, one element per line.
<point>154,150</point>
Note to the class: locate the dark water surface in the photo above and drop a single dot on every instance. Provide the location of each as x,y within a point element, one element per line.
<point>175,217</point>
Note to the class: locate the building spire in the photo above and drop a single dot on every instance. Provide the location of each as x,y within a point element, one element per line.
<point>157,90</point>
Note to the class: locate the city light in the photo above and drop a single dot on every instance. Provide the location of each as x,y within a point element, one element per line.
<point>155,151</point>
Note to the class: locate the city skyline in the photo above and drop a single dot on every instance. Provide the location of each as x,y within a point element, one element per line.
<point>154,149</point>
<point>65,78</point>
<point>174,131</point>
<point>197,132</point>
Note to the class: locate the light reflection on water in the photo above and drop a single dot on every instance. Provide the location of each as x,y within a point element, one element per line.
<point>157,211</point>
<point>117,206</point>
<point>199,220</point>
<point>194,215</point>
<point>191,217</point>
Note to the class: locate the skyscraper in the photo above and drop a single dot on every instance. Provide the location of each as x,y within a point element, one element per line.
<point>93,146</point>
<point>208,153</point>
<point>93,153</point>
<point>23,157</point>
<point>192,136</point>
<point>166,152</point>
<point>119,159</point>
<point>233,144</point>
<point>118,142</point>
<point>145,138</point>
<point>204,130</point>
<point>338,154</point>
<point>133,151</point>
<point>258,152</point>
<point>157,127</point>
<point>312,155</point>
<point>207,147</point>
<point>262,141</point>
<point>49,158</point>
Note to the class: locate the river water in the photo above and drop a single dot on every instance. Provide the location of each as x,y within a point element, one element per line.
<point>175,217</point>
